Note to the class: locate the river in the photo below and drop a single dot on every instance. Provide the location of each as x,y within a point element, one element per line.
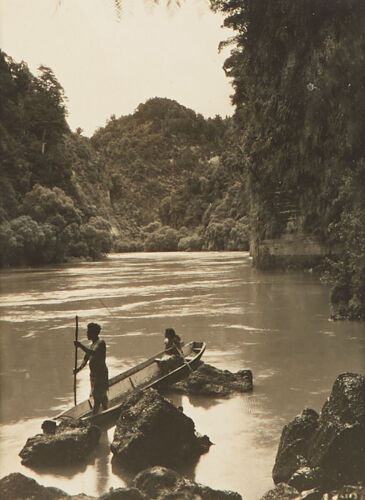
<point>275,324</point>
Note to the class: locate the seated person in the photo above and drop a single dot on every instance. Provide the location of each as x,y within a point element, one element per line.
<point>173,356</point>
<point>173,343</point>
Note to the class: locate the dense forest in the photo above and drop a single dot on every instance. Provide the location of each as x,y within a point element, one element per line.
<point>165,178</point>
<point>43,219</point>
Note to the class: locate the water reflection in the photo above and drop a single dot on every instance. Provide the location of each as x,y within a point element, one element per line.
<point>125,474</point>
<point>102,460</point>
<point>274,324</point>
<point>66,472</point>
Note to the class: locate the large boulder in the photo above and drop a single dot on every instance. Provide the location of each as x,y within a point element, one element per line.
<point>71,443</point>
<point>123,494</point>
<point>348,492</point>
<point>338,445</point>
<point>152,431</point>
<point>207,380</point>
<point>161,483</point>
<point>306,478</point>
<point>293,446</point>
<point>328,450</point>
<point>281,492</point>
<point>16,486</point>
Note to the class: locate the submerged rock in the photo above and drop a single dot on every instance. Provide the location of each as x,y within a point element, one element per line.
<point>207,380</point>
<point>156,483</point>
<point>152,431</point>
<point>165,484</point>
<point>123,494</point>
<point>16,486</point>
<point>328,450</point>
<point>72,443</point>
<point>281,492</point>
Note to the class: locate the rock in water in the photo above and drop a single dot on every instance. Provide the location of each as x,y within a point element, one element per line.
<point>152,431</point>
<point>326,450</point>
<point>293,446</point>
<point>72,443</point>
<point>16,486</point>
<point>281,492</point>
<point>123,494</point>
<point>338,446</point>
<point>166,484</point>
<point>207,380</point>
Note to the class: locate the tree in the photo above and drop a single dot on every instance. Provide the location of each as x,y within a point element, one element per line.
<point>298,76</point>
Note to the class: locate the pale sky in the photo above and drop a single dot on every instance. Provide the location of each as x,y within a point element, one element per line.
<point>108,67</point>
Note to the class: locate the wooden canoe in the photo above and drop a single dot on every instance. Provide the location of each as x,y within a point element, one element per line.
<point>141,377</point>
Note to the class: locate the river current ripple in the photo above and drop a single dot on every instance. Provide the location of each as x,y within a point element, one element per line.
<point>275,324</point>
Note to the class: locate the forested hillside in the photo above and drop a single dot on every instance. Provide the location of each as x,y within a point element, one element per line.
<point>298,73</point>
<point>163,178</point>
<point>42,220</point>
<point>173,179</point>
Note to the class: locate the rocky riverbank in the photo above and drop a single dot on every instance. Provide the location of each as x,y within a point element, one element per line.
<point>324,454</point>
<point>157,483</point>
<point>152,431</point>
<point>321,456</point>
<point>207,380</point>
<point>70,442</point>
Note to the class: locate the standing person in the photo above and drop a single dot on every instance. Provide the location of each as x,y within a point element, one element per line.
<point>95,354</point>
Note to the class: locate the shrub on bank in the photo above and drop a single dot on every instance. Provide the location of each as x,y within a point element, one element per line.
<point>25,241</point>
<point>227,235</point>
<point>164,239</point>
<point>190,243</point>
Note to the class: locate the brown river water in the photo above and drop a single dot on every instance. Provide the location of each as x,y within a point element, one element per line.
<point>275,324</point>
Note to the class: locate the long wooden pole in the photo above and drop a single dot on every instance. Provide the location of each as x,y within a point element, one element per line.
<point>76,338</point>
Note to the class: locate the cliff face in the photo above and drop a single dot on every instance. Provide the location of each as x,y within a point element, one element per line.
<point>298,74</point>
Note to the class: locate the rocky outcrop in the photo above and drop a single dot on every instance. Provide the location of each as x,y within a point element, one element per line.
<point>356,492</point>
<point>281,492</point>
<point>326,451</point>
<point>293,447</point>
<point>285,492</point>
<point>165,484</point>
<point>338,446</point>
<point>156,483</point>
<point>16,486</point>
<point>123,494</point>
<point>207,380</point>
<point>72,443</point>
<point>152,431</point>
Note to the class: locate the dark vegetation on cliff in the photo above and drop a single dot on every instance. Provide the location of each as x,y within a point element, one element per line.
<point>298,74</point>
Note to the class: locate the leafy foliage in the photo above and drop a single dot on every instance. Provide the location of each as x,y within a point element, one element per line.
<point>169,166</point>
<point>143,182</point>
<point>298,75</point>
<point>164,239</point>
<point>40,222</point>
